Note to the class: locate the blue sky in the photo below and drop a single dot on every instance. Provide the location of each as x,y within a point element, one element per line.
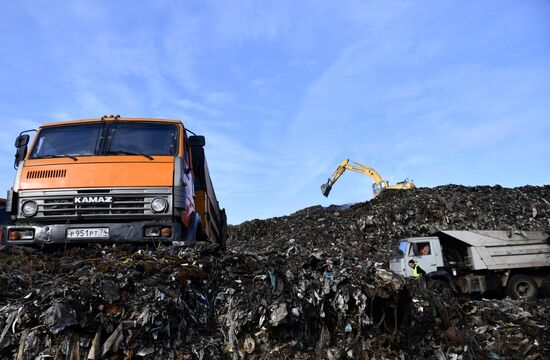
<point>437,91</point>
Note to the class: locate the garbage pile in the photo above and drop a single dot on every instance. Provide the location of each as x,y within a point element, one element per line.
<point>298,304</point>
<point>311,285</point>
<point>193,303</point>
<point>105,303</point>
<point>460,327</point>
<point>369,231</point>
<point>372,228</point>
<point>509,328</point>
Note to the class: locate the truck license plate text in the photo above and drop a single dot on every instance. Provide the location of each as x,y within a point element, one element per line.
<point>88,233</point>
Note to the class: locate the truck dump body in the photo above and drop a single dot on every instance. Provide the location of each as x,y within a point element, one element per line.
<point>500,250</point>
<point>206,202</point>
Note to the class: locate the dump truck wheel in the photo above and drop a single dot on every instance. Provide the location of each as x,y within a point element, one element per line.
<point>522,287</point>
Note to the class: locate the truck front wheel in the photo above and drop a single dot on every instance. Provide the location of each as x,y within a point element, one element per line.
<point>522,287</point>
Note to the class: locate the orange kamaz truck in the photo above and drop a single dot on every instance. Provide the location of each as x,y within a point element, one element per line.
<point>113,179</point>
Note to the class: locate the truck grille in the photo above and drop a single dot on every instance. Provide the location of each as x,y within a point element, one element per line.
<point>44,174</point>
<point>126,203</point>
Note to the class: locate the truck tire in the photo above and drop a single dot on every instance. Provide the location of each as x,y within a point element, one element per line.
<point>522,287</point>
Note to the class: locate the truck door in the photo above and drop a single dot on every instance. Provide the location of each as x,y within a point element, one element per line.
<point>423,253</point>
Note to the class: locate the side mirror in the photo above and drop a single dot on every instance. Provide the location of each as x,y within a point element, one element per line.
<point>20,154</point>
<point>21,145</point>
<point>22,140</point>
<point>197,140</point>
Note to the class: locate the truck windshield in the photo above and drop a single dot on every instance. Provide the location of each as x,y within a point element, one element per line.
<point>400,250</point>
<point>142,138</point>
<point>75,140</point>
<point>121,138</point>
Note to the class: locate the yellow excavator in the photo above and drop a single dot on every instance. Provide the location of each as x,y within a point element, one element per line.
<point>379,183</point>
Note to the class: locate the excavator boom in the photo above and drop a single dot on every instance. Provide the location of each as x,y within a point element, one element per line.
<point>379,182</point>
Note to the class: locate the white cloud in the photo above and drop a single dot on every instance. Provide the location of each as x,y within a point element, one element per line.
<point>187,104</point>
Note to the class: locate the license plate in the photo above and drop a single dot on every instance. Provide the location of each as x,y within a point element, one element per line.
<point>88,233</point>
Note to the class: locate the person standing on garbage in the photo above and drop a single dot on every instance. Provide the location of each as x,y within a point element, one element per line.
<point>417,270</point>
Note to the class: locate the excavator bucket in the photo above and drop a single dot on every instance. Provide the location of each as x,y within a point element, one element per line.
<point>325,188</point>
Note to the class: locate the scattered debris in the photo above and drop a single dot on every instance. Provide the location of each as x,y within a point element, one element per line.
<point>312,285</point>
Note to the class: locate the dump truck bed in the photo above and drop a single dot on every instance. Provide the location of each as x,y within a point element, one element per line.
<point>500,250</point>
<point>213,218</point>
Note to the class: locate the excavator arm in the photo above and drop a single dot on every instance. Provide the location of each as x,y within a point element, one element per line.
<point>363,169</point>
<point>379,183</point>
<point>325,188</point>
<point>352,166</point>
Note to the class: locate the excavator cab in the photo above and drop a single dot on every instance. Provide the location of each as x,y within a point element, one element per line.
<point>378,187</point>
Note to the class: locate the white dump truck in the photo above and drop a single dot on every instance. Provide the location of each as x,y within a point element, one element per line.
<point>480,261</point>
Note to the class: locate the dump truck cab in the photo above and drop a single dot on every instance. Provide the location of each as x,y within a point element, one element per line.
<point>478,261</point>
<point>112,179</point>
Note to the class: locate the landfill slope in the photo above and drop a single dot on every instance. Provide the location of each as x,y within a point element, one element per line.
<point>311,285</point>
<point>372,228</point>
<point>368,232</point>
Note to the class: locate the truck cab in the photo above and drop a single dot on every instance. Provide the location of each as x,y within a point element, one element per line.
<point>426,252</point>
<point>112,179</point>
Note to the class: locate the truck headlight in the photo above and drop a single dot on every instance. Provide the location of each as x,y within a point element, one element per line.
<point>29,208</point>
<point>159,205</point>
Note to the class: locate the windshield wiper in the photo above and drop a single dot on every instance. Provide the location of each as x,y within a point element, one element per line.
<point>56,156</point>
<point>123,152</point>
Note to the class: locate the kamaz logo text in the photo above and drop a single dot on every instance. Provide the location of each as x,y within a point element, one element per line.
<point>93,199</point>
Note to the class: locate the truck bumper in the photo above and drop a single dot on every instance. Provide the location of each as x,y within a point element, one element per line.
<point>119,232</point>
